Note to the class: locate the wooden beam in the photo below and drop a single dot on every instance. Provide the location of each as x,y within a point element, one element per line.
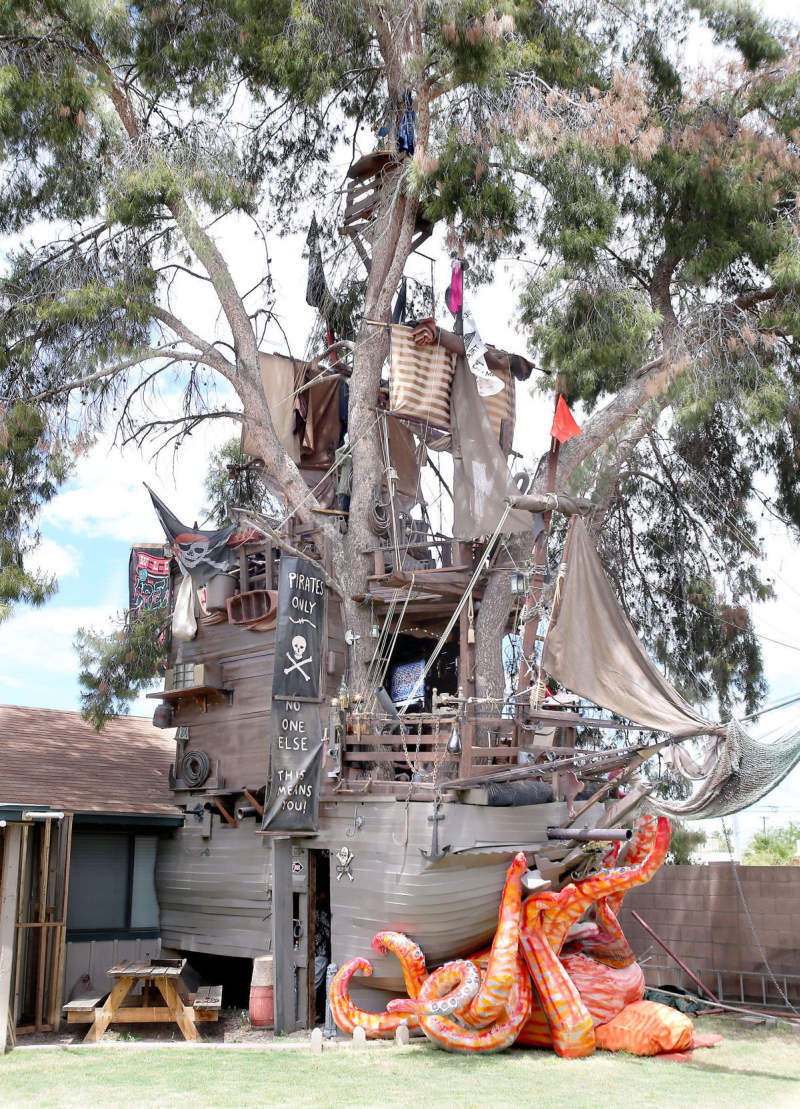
<point>283,935</point>
<point>553,502</point>
<point>60,939</point>
<point>44,874</point>
<point>9,884</point>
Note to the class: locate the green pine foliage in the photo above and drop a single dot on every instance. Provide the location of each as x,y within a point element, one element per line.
<point>775,847</point>
<point>31,470</point>
<point>659,211</point>
<point>118,664</point>
<point>235,479</point>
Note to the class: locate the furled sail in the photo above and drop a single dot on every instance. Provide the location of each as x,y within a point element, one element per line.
<point>592,649</point>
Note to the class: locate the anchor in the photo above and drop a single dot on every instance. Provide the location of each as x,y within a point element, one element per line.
<point>435,854</point>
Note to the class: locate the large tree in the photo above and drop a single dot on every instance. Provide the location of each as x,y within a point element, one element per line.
<point>659,210</point>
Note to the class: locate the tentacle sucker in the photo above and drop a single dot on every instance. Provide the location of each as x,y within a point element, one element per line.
<point>452,1036</point>
<point>448,990</point>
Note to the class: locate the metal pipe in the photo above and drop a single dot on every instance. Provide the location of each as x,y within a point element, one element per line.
<point>672,955</point>
<point>588,835</point>
<point>244,810</point>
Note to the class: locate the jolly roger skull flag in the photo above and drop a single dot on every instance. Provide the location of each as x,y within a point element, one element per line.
<point>202,554</point>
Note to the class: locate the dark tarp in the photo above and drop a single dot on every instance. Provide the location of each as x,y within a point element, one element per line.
<point>300,626</point>
<point>295,766</point>
<point>508,794</point>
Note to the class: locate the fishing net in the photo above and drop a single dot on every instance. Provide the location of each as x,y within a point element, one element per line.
<point>735,771</point>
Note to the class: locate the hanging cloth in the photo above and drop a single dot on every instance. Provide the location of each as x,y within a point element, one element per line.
<point>481,481</point>
<point>399,310</point>
<point>405,132</point>
<point>455,294</point>
<point>317,293</point>
<point>592,649</point>
<point>420,376</point>
<point>475,349</point>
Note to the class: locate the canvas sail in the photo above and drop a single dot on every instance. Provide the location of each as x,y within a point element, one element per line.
<point>592,650</point>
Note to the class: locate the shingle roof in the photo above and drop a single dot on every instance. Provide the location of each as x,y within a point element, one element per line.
<point>49,757</point>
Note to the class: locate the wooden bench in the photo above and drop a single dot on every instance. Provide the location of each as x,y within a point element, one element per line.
<point>207,1002</point>
<point>81,1009</point>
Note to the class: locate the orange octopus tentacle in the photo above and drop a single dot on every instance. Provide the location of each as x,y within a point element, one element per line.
<point>492,997</point>
<point>568,1017</point>
<point>644,837</point>
<point>448,990</point>
<point>410,955</point>
<point>604,991</point>
<point>563,909</point>
<point>348,1016</point>
<point>452,1036</point>
<point>608,946</point>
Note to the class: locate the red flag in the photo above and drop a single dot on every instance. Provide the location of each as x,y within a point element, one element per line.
<point>564,426</point>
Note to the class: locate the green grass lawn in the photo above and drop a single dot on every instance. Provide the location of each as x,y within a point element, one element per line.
<point>759,1068</point>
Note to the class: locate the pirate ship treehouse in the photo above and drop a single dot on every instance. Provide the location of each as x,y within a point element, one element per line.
<point>327,801</point>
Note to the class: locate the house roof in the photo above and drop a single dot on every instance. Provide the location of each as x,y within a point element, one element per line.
<point>54,758</point>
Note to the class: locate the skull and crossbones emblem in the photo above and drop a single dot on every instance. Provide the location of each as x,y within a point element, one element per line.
<point>296,657</point>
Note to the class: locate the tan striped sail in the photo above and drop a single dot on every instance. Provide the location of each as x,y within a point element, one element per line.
<point>502,406</point>
<point>419,379</point>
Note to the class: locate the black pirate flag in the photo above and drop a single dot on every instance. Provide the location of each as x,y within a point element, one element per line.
<point>202,554</point>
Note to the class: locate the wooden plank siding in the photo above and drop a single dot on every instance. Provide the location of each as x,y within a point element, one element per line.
<point>450,907</point>
<point>237,734</point>
<point>213,892</point>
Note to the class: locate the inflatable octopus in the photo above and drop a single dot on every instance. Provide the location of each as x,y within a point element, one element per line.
<point>550,979</point>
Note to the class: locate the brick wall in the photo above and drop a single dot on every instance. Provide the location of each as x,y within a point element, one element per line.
<point>698,911</point>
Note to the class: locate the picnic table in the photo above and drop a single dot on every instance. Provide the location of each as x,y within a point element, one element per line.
<point>164,998</point>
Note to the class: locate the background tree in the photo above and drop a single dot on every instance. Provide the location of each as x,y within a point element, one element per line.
<point>774,847</point>
<point>31,469</point>
<point>683,843</point>
<point>655,203</point>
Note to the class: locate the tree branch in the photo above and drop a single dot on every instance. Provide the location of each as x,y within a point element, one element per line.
<point>120,367</point>
<point>256,520</point>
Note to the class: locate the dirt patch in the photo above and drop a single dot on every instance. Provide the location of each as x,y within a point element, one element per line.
<point>233,1027</point>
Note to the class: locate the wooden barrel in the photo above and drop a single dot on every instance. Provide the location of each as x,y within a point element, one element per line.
<point>262,997</point>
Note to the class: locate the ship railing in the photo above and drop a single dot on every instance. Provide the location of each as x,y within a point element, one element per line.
<point>423,747</point>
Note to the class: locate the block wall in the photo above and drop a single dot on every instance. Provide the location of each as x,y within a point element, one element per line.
<point>699,912</point>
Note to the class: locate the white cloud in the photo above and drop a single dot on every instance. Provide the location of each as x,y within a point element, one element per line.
<point>106,498</point>
<point>40,640</point>
<point>54,558</point>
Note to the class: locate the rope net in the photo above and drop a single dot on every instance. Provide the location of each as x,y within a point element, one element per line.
<point>735,771</point>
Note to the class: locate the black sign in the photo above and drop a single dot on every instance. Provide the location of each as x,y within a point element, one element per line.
<point>295,767</point>
<point>300,624</point>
